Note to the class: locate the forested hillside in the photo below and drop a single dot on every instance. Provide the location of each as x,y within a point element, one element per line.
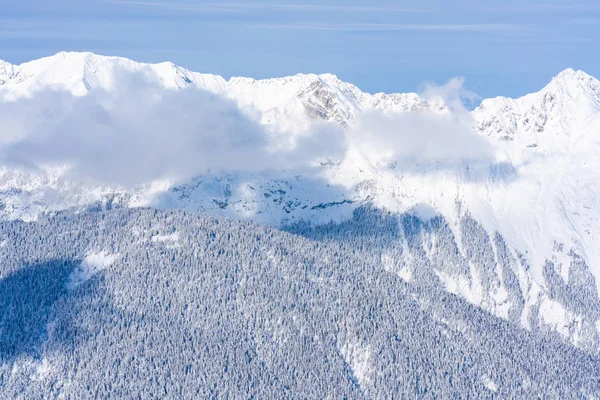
<point>477,265</point>
<point>139,303</point>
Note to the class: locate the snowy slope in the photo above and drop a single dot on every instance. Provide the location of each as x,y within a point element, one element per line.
<point>81,72</point>
<point>559,108</point>
<point>553,137</point>
<point>540,191</point>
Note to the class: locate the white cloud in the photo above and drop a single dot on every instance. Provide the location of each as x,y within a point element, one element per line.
<point>143,132</point>
<point>453,93</point>
<point>425,138</point>
<point>418,139</point>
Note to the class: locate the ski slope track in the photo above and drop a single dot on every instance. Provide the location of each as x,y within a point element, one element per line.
<point>537,200</point>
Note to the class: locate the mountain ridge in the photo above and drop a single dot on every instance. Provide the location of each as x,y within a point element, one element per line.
<point>283,98</point>
<point>8,68</point>
<point>80,72</point>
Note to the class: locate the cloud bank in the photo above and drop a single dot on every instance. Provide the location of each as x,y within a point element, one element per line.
<point>425,139</point>
<point>143,132</point>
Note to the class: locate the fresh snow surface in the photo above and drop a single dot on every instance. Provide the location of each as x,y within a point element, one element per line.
<point>90,266</point>
<point>173,237</point>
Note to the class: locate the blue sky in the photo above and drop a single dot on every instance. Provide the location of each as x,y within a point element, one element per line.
<point>501,48</point>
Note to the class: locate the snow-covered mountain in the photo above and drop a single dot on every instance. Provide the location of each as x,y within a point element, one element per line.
<point>570,99</point>
<point>317,96</point>
<point>81,72</point>
<point>536,197</point>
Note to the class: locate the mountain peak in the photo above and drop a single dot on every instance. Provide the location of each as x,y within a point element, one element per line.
<point>329,77</point>
<point>569,98</point>
<point>570,78</point>
<point>575,88</point>
<point>571,73</point>
<point>60,57</point>
<point>69,54</point>
<point>79,72</point>
<point>7,71</point>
